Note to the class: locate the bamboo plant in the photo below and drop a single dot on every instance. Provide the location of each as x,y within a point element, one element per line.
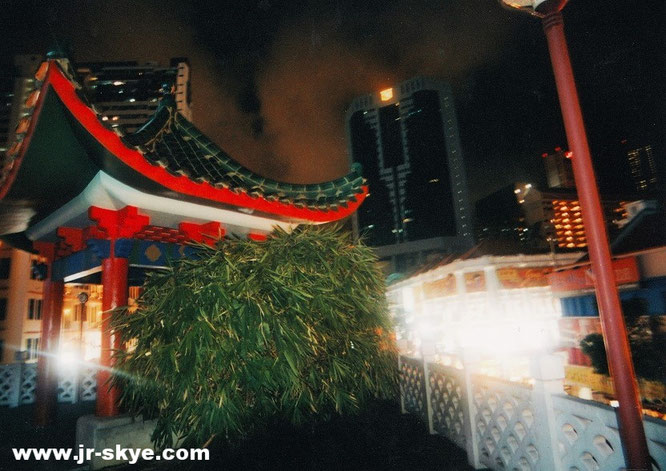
<point>295,327</point>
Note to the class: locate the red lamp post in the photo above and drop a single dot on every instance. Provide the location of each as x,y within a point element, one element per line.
<point>630,414</point>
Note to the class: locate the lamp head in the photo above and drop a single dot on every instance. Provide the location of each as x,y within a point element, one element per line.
<point>538,8</point>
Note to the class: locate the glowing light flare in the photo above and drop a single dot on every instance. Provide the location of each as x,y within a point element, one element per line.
<point>408,299</point>
<point>67,360</point>
<point>498,333</point>
<point>386,94</point>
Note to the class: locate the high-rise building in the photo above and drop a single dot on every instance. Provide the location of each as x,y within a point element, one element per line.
<point>127,93</point>
<point>643,168</point>
<point>500,216</point>
<point>559,171</point>
<point>406,139</point>
<point>558,216</point>
<point>15,85</point>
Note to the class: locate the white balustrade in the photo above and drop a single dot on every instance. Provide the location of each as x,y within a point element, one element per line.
<point>412,386</point>
<point>506,425</point>
<point>18,382</point>
<point>28,383</point>
<point>10,384</point>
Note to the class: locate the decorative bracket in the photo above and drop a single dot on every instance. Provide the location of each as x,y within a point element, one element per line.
<point>208,233</point>
<point>122,223</point>
<point>256,236</point>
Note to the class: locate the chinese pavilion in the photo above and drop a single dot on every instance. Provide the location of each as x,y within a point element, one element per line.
<point>102,205</point>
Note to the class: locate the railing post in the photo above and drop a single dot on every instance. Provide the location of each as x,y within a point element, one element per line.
<point>548,374</point>
<point>15,388</point>
<point>470,365</point>
<point>401,389</point>
<point>426,378</point>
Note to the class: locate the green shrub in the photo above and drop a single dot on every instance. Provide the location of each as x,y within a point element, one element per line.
<point>646,341</point>
<point>295,327</point>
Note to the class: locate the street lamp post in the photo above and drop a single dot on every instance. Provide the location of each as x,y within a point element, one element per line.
<point>630,414</point>
<point>83,299</point>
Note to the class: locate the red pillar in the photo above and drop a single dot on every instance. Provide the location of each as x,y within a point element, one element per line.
<point>115,291</point>
<point>630,412</point>
<point>47,375</point>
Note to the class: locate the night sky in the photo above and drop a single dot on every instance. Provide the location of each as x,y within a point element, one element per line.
<point>272,79</point>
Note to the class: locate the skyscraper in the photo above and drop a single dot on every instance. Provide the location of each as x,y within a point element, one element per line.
<point>406,139</point>
<point>643,168</point>
<point>15,85</point>
<point>559,171</point>
<point>127,93</point>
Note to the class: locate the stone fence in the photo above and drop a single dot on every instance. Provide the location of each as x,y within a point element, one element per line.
<point>504,425</point>
<point>18,382</point>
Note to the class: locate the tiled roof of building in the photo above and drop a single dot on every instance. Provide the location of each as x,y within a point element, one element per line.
<point>487,247</point>
<point>172,142</point>
<point>172,152</point>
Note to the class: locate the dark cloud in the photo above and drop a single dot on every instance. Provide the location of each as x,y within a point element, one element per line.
<point>272,79</point>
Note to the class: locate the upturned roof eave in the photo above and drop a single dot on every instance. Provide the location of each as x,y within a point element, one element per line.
<point>55,80</point>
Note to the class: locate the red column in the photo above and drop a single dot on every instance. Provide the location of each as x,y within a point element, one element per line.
<point>47,375</point>
<point>115,290</point>
<point>630,413</point>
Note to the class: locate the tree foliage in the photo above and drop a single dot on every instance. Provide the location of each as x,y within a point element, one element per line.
<point>295,327</point>
<point>647,343</point>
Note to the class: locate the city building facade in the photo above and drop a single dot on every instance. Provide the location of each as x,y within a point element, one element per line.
<point>126,94</point>
<point>20,305</point>
<point>643,168</point>
<point>406,139</point>
<point>15,85</point>
<point>548,220</point>
<point>557,216</point>
<point>500,216</point>
<point>559,171</point>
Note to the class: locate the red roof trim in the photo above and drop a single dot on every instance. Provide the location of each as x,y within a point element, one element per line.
<point>111,141</point>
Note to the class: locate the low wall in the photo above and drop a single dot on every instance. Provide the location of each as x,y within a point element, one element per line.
<point>505,425</point>
<point>18,382</point>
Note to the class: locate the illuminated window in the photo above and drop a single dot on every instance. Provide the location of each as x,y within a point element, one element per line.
<point>32,347</point>
<point>386,95</point>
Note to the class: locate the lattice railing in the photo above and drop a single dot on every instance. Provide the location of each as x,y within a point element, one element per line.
<point>18,383</point>
<point>504,421</point>
<point>447,402</point>
<point>588,436</point>
<point>504,425</point>
<point>413,387</point>
<point>68,386</point>
<point>88,384</point>
<point>10,384</point>
<point>28,383</point>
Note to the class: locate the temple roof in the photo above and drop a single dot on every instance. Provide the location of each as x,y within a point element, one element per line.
<point>175,144</point>
<point>63,146</point>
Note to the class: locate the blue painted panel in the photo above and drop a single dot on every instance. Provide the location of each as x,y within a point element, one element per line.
<point>76,263</point>
<point>139,252</point>
<point>653,291</point>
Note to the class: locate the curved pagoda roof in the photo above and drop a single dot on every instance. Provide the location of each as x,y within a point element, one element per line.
<point>65,158</point>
